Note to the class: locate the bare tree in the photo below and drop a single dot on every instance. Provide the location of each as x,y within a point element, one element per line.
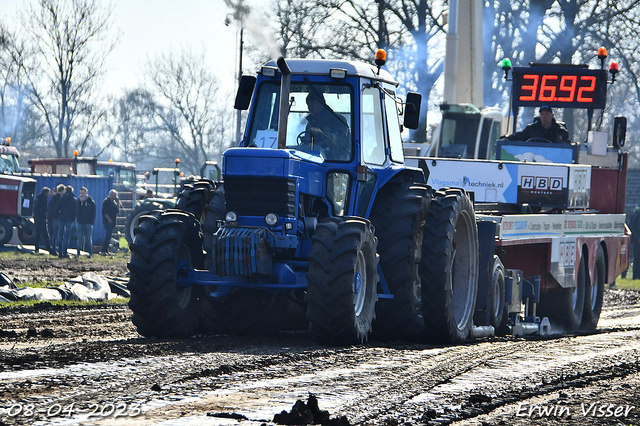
<point>409,30</point>
<point>131,129</point>
<point>18,118</point>
<point>186,109</point>
<point>72,39</point>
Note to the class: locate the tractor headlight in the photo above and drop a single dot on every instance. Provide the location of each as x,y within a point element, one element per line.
<point>271,219</point>
<point>231,217</point>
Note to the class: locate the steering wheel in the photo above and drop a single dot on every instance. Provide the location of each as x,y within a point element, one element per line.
<point>539,139</point>
<point>301,137</point>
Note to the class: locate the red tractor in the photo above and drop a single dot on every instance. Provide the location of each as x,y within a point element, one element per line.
<point>16,196</point>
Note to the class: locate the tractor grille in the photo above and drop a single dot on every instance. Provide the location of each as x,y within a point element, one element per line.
<point>241,251</point>
<point>258,196</point>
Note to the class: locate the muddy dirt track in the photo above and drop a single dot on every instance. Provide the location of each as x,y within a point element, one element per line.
<point>68,366</point>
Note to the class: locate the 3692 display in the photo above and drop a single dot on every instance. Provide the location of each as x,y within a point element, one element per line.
<point>564,87</point>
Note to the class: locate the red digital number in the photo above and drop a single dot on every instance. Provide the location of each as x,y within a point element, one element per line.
<point>533,87</point>
<point>548,91</point>
<point>571,88</point>
<point>583,89</point>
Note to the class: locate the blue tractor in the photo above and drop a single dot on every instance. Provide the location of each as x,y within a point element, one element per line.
<point>317,223</point>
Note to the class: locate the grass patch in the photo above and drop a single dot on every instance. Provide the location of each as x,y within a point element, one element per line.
<point>36,304</point>
<point>123,243</point>
<point>118,257</point>
<point>41,284</point>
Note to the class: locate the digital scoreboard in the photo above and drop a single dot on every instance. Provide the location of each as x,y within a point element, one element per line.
<point>564,87</point>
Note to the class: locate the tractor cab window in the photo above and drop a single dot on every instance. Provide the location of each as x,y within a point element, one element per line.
<point>9,164</point>
<point>393,127</point>
<point>373,151</point>
<point>320,119</point>
<point>459,133</point>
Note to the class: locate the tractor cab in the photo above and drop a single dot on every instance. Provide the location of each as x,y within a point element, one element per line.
<point>338,130</point>
<point>8,157</point>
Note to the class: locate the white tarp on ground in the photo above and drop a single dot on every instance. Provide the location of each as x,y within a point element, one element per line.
<point>90,287</point>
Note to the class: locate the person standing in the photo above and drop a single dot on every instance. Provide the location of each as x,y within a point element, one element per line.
<point>110,209</point>
<point>85,220</point>
<point>68,211</point>
<point>40,218</point>
<point>634,226</point>
<point>54,221</point>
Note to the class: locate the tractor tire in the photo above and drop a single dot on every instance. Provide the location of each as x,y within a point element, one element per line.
<point>27,232</point>
<point>343,278</point>
<point>194,197</point>
<point>214,213</point>
<point>399,214</point>
<point>449,267</point>
<point>133,218</point>
<point>213,311</point>
<point>498,309</point>
<point>6,231</point>
<point>565,306</point>
<point>162,308</point>
<point>594,294</point>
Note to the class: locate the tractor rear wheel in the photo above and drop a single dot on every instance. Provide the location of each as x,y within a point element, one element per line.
<point>161,307</point>
<point>214,213</point>
<point>399,215</point>
<point>449,267</point>
<point>195,196</point>
<point>213,314</point>
<point>342,291</point>
<point>133,218</point>
<point>6,231</point>
<point>594,294</point>
<point>27,232</point>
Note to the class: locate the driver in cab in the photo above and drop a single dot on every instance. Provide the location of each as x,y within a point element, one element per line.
<point>326,129</point>
<point>544,126</point>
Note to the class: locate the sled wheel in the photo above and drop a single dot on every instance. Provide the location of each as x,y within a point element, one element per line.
<point>162,308</point>
<point>498,314</point>
<point>594,293</point>
<point>6,231</point>
<point>341,295</point>
<point>449,267</point>
<point>565,306</point>
<point>399,215</point>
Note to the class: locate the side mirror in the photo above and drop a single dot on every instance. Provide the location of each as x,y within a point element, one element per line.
<point>619,131</point>
<point>245,90</point>
<point>412,110</point>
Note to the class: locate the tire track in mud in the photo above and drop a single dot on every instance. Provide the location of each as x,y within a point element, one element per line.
<point>370,384</point>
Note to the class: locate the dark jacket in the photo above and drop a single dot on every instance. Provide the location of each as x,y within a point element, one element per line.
<point>68,208</point>
<point>86,211</point>
<point>555,133</point>
<point>110,207</point>
<point>52,208</point>
<point>40,208</point>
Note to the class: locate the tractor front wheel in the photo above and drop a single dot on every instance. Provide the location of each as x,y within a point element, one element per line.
<point>6,231</point>
<point>161,307</point>
<point>342,290</point>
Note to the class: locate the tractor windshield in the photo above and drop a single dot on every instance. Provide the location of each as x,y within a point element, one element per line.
<point>9,164</point>
<point>320,119</point>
